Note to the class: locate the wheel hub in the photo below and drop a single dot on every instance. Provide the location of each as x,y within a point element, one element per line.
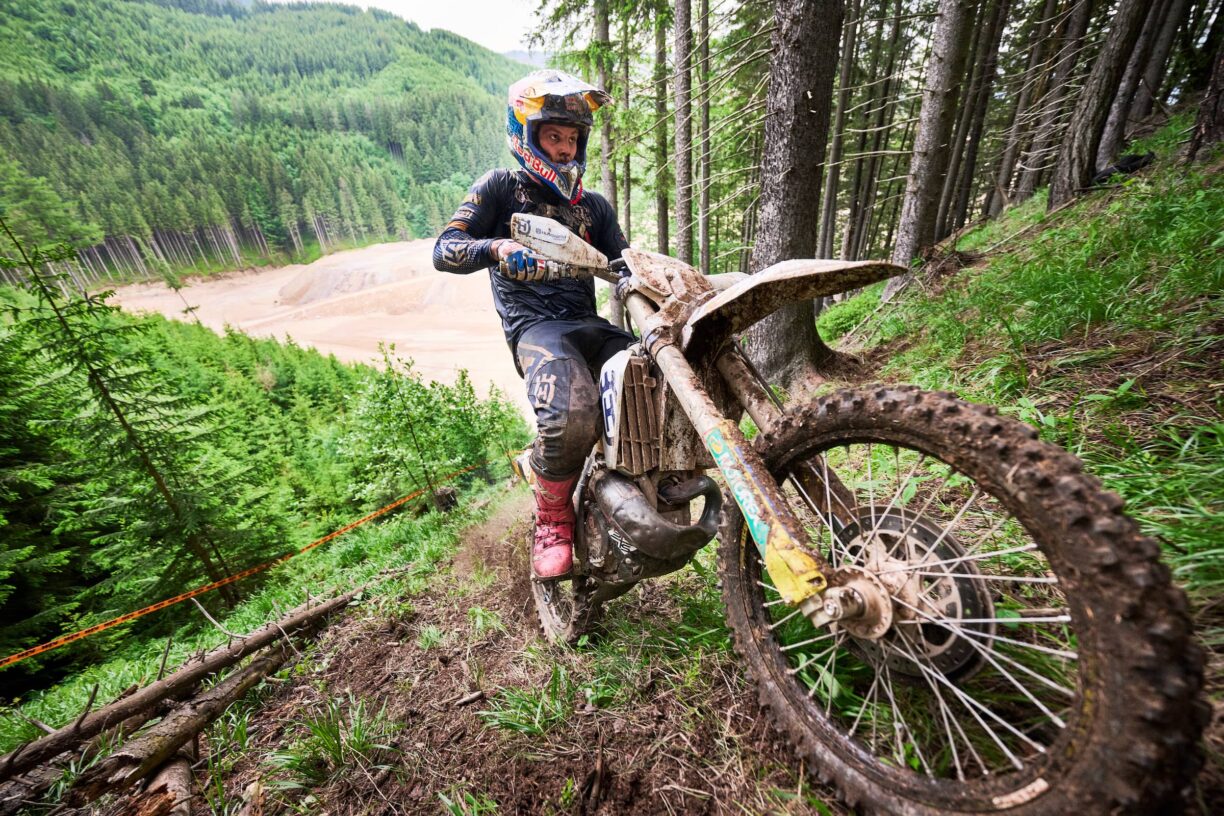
<point>906,580</point>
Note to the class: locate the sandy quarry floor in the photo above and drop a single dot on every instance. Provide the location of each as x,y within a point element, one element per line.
<point>347,303</point>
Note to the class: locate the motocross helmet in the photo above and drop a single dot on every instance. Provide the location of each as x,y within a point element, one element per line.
<point>552,97</point>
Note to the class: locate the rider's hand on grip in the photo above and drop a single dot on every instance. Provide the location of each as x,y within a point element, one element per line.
<point>521,265</point>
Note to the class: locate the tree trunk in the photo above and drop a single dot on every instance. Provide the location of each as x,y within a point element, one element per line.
<point>828,215</point>
<point>804,58</point>
<point>873,98</point>
<point>703,139</point>
<point>1019,128</point>
<point>1036,160</point>
<point>1114,134</point>
<point>980,103</point>
<point>956,147</point>
<point>1209,127</point>
<point>661,175</point>
<point>169,793</point>
<point>66,738</point>
<point>15,793</point>
<point>882,127</point>
<point>917,226</point>
<point>684,130</point>
<point>1154,73</point>
<point>145,753</point>
<point>626,170</point>
<point>748,225</point>
<point>1198,42</point>
<point>602,44</point>
<point>1074,169</point>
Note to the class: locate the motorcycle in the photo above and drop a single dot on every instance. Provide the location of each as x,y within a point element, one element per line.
<point>940,612</point>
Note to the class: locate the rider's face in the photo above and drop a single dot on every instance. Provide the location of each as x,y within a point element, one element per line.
<point>559,142</point>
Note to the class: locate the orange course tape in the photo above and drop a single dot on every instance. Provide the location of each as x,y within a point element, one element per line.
<point>64,640</point>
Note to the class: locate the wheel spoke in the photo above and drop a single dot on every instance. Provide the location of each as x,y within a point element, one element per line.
<point>816,686</point>
<point>944,622</point>
<point>950,526</point>
<point>943,716</point>
<point>946,711</point>
<point>921,512</point>
<point>888,688</point>
<point>835,541</point>
<point>778,623</point>
<point>1055,619</point>
<point>959,559</point>
<point>870,488</point>
<point>770,587</point>
<point>831,672</point>
<point>867,698</point>
<point>792,646</point>
<point>809,660</point>
<point>896,495</point>
<point>1013,579</point>
<point>824,462</point>
<point>974,706</point>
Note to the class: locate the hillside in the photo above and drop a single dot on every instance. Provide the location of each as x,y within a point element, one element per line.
<point>188,133</point>
<point>1100,324</point>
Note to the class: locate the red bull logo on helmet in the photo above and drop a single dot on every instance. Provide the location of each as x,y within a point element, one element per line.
<point>531,161</point>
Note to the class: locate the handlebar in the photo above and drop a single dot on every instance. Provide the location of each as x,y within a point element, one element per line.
<point>554,270</point>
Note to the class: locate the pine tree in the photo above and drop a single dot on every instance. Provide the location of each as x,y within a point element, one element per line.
<point>141,435</point>
<point>786,345</point>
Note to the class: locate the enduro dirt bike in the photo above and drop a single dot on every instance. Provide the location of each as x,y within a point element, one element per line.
<point>942,613</point>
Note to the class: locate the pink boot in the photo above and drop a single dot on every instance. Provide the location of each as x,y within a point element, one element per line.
<point>552,554</point>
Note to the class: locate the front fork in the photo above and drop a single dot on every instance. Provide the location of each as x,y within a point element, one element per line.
<point>800,576</point>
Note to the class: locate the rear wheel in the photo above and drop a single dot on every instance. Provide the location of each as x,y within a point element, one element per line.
<point>1026,653</point>
<point>565,607</point>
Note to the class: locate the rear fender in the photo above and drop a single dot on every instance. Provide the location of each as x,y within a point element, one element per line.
<point>747,301</point>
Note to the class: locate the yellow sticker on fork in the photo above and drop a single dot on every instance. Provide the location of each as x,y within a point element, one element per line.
<point>795,574</point>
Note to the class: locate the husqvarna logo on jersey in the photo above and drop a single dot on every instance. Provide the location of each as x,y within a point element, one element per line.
<point>607,396</point>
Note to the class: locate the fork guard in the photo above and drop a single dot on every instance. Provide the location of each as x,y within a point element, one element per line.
<point>629,510</point>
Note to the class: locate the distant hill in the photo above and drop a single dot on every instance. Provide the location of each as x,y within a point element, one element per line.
<point>194,132</point>
<point>537,58</point>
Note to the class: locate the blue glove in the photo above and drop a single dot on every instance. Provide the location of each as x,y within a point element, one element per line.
<point>523,266</point>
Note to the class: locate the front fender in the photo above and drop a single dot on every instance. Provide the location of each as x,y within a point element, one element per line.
<point>747,301</point>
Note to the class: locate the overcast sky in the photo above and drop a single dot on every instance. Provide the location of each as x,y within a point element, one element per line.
<point>500,25</point>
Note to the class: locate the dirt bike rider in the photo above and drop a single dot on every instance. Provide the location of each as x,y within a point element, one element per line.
<point>558,341</point>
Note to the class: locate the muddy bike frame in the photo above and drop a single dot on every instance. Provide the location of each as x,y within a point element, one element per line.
<point>688,328</point>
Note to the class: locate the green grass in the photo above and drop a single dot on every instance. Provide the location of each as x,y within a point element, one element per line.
<point>338,738</point>
<point>467,803</point>
<point>484,621</point>
<point>1010,222</point>
<point>534,711</point>
<point>1096,328</point>
<point>417,544</point>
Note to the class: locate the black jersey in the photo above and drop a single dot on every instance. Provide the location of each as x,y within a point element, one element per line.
<point>484,216</point>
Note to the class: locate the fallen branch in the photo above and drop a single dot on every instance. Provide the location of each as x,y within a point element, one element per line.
<point>16,794</point>
<point>35,753</point>
<point>169,794</point>
<point>145,753</point>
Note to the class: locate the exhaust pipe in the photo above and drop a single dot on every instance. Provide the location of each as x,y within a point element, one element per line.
<point>624,504</point>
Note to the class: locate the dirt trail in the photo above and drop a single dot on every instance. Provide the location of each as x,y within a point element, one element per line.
<point>348,302</point>
<point>680,745</point>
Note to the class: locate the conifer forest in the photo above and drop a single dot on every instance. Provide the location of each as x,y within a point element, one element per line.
<point>1048,172</point>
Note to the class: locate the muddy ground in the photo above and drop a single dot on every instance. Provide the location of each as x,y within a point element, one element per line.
<point>665,753</point>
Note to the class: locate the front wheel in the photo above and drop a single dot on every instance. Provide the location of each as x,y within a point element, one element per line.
<point>1029,654</point>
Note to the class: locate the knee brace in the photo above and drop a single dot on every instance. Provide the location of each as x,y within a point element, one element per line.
<point>566,403</point>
